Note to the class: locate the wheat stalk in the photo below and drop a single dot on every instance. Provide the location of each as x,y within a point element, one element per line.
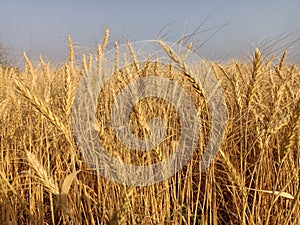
<point>68,91</point>
<point>46,69</point>
<point>133,58</point>
<point>183,66</point>
<point>99,52</point>
<point>257,62</point>
<point>29,66</point>
<point>101,48</point>
<point>105,40</point>
<point>280,66</point>
<point>188,49</point>
<point>116,62</point>
<point>71,53</point>
<point>42,174</point>
<point>43,109</point>
<point>293,127</point>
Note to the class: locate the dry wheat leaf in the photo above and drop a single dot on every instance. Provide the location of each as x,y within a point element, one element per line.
<point>68,182</point>
<point>280,193</point>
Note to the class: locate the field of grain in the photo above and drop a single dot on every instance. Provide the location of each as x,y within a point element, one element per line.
<point>254,178</point>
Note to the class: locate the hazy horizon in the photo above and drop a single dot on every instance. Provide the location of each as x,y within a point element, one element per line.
<point>229,29</point>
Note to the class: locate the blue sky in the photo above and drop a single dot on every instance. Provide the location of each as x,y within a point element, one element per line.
<point>41,27</point>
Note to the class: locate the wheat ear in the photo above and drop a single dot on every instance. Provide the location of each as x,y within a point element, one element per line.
<point>42,108</point>
<point>186,70</point>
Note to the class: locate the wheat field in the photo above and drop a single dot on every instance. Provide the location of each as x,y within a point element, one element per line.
<point>254,178</point>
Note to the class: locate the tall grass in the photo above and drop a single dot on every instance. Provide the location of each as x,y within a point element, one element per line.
<point>254,178</point>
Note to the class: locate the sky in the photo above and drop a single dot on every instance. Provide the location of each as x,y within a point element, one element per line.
<point>228,28</point>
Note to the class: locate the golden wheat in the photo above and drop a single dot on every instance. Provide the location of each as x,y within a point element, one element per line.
<point>253,180</point>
